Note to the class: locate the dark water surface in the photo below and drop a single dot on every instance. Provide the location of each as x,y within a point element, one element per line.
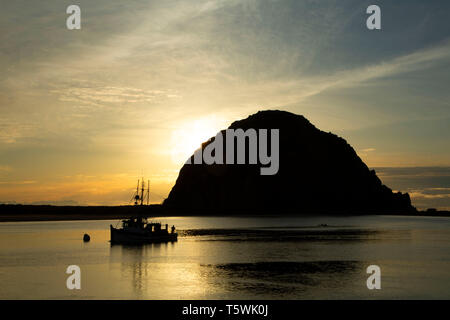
<point>232,258</point>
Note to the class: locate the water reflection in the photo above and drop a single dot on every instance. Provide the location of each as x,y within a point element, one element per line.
<point>292,234</point>
<point>136,262</point>
<point>290,279</point>
<point>251,263</point>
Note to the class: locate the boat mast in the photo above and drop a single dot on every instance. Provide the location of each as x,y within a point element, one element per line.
<point>148,192</point>
<point>136,197</point>
<point>142,192</point>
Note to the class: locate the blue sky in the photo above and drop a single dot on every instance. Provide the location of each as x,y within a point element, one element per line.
<point>84,113</point>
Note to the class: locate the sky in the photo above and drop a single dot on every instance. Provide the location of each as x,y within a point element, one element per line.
<point>85,113</point>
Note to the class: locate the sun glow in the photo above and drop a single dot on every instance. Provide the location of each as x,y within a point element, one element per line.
<point>190,134</point>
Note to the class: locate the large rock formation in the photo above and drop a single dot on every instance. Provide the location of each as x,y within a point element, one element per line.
<point>318,172</point>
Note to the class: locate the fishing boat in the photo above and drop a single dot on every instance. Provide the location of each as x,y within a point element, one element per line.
<point>138,229</point>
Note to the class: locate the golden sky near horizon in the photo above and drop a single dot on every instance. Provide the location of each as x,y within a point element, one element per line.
<point>85,113</point>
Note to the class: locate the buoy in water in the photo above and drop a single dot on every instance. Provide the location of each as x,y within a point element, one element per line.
<point>86,237</point>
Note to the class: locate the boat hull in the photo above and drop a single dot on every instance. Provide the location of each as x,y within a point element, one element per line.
<point>125,237</point>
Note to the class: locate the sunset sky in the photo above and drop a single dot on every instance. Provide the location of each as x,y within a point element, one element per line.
<point>85,113</point>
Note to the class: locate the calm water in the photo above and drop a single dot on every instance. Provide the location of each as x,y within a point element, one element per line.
<point>232,258</point>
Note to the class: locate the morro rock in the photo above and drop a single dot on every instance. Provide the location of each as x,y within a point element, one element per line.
<point>319,172</point>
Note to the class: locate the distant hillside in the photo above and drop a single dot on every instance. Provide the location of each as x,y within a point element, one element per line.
<point>319,173</point>
<point>18,212</point>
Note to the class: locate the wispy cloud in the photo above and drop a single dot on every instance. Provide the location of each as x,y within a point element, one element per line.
<point>5,168</point>
<point>12,130</point>
<point>98,96</point>
<point>292,91</point>
<point>11,183</point>
<point>427,186</point>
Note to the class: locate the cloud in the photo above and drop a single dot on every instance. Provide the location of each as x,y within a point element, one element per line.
<point>431,198</point>
<point>98,96</point>
<point>12,130</point>
<point>5,168</point>
<point>414,172</point>
<point>427,186</point>
<point>12,183</point>
<point>300,89</point>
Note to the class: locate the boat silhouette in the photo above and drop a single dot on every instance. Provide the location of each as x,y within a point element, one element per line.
<point>138,229</point>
